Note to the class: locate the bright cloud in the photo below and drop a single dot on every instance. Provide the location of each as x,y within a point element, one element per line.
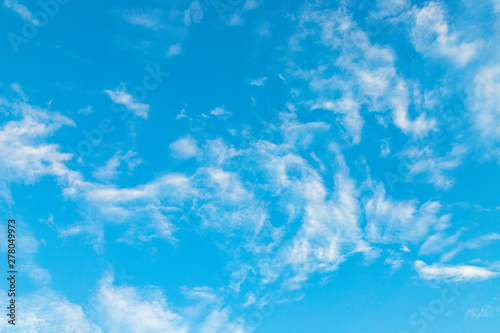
<point>122,97</point>
<point>21,10</point>
<point>433,36</point>
<point>149,19</point>
<point>459,273</point>
<point>185,148</point>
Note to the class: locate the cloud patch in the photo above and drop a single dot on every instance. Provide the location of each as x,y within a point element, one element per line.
<point>458,273</point>
<point>122,97</point>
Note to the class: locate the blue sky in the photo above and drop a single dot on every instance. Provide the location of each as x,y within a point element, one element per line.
<point>252,166</point>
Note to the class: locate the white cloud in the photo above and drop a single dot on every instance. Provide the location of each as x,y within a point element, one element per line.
<point>47,312</point>
<point>480,312</point>
<point>460,273</point>
<point>30,245</point>
<point>149,19</point>
<point>436,168</point>
<point>391,221</point>
<point>219,321</point>
<point>391,7</point>
<point>119,308</point>
<point>251,4</point>
<point>233,14</point>
<point>319,224</point>
<point>174,50</point>
<point>363,71</point>
<point>229,185</point>
<point>219,152</point>
<point>23,154</point>
<point>395,258</point>
<point>258,82</point>
<point>226,204</point>
<point>485,101</point>
<point>131,310</point>
<point>185,148</point>
<point>420,126</point>
<point>220,112</point>
<point>175,183</point>
<point>265,30</point>
<point>147,210</point>
<point>131,159</point>
<point>299,134</point>
<point>86,111</point>
<point>330,229</point>
<point>437,243</point>
<point>352,120</point>
<point>125,309</point>
<point>482,241</point>
<point>17,88</point>
<point>496,4</point>
<point>432,36</point>
<point>22,10</point>
<point>235,19</point>
<point>122,97</point>
<point>329,220</point>
<point>110,171</point>
<point>326,219</point>
<point>471,244</point>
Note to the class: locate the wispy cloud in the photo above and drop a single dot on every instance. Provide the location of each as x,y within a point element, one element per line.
<point>174,50</point>
<point>371,77</point>
<point>86,111</point>
<point>63,316</point>
<point>110,170</point>
<point>486,311</point>
<point>146,18</point>
<point>399,221</point>
<point>115,307</point>
<point>258,82</point>
<point>125,309</point>
<point>22,10</point>
<point>390,8</point>
<point>122,97</point>
<point>185,148</point>
<point>251,4</point>
<point>459,273</point>
<point>485,98</point>
<point>23,154</point>
<point>349,108</point>
<point>220,112</point>
<point>433,36</point>
<point>436,168</point>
